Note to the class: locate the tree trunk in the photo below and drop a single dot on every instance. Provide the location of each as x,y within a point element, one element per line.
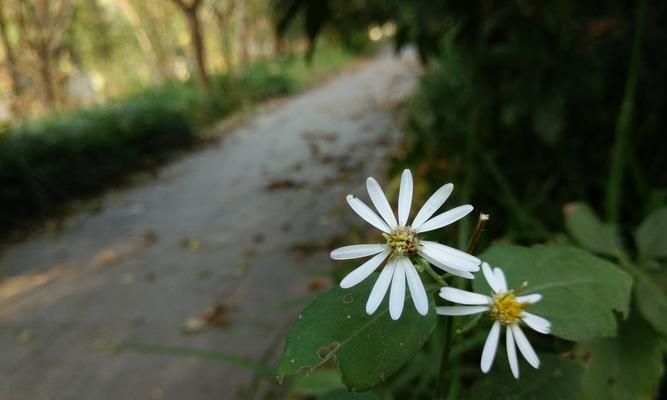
<point>12,66</point>
<point>49,93</point>
<point>198,47</point>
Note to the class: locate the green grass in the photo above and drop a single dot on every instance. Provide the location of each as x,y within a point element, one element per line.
<point>46,162</point>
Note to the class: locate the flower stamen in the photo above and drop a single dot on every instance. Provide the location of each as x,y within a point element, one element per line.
<point>506,309</point>
<point>402,241</point>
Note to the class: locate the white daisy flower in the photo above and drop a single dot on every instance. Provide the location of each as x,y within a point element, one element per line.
<point>507,310</point>
<point>403,245</point>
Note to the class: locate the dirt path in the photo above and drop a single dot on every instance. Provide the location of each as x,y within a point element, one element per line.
<point>243,224</point>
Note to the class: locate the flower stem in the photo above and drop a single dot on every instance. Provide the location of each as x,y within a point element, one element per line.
<point>440,386</point>
<point>434,274</point>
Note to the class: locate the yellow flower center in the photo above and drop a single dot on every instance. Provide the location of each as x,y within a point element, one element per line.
<point>505,309</point>
<point>403,241</point>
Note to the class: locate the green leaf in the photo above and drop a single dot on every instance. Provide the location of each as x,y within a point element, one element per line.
<point>343,394</point>
<point>651,301</point>
<point>557,379</point>
<point>651,236</point>
<point>580,291</point>
<point>625,367</point>
<point>368,349</point>
<point>320,382</point>
<point>588,231</point>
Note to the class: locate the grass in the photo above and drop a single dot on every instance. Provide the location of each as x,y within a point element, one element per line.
<point>47,162</point>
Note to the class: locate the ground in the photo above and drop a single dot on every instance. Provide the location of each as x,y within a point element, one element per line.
<point>218,252</point>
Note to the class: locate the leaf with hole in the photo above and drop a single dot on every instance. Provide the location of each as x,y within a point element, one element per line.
<point>367,348</point>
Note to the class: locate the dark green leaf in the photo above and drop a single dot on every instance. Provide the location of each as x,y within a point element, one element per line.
<point>626,367</point>
<point>557,379</point>
<point>587,229</point>
<point>367,348</point>
<point>651,300</point>
<point>580,290</point>
<point>345,395</point>
<point>651,235</point>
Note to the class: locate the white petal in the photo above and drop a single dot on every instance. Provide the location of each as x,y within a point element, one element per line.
<point>529,298</point>
<point>463,297</point>
<point>536,322</point>
<point>447,259</point>
<point>511,352</point>
<point>434,202</point>
<point>380,288</point>
<point>525,347</point>
<point>380,202</point>
<point>490,277</point>
<point>397,293</point>
<point>490,347</point>
<point>416,287</point>
<point>405,197</point>
<point>357,251</point>
<point>454,252</point>
<point>500,279</point>
<point>445,218</point>
<point>461,310</point>
<point>453,271</point>
<point>363,271</point>
<point>367,214</point>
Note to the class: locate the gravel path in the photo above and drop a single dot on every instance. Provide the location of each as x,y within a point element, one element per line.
<point>242,226</point>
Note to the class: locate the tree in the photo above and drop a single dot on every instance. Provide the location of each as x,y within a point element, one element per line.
<point>11,62</point>
<point>42,25</point>
<point>190,9</point>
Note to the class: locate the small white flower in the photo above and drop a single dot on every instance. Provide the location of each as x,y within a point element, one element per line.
<point>506,309</point>
<point>403,245</point>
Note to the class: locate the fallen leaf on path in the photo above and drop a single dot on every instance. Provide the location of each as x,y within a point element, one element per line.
<point>216,315</point>
<point>284,184</point>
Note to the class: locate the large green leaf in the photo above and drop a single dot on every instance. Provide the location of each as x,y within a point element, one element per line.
<point>557,379</point>
<point>580,290</point>
<point>651,300</point>
<point>367,348</point>
<point>628,366</point>
<point>651,235</point>
<point>587,229</point>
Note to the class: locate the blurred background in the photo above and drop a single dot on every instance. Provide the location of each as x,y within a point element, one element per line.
<point>173,172</point>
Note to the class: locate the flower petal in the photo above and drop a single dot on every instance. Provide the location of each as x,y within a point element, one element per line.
<point>380,201</point>
<point>490,347</point>
<point>500,279</point>
<point>380,288</point>
<point>405,197</point>
<point>447,259</point>
<point>525,347</point>
<point>445,218</point>
<point>357,251</point>
<point>460,310</point>
<point>367,214</point>
<point>536,322</point>
<point>511,352</point>
<point>363,271</point>
<point>490,277</point>
<point>453,271</point>
<point>463,297</point>
<point>397,293</point>
<point>416,287</point>
<point>434,202</point>
<point>454,252</point>
<point>529,298</point>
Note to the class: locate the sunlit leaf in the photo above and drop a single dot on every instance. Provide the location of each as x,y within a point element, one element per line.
<point>587,229</point>
<point>368,349</point>
<point>651,235</point>
<point>625,367</point>
<point>580,291</point>
<point>557,379</point>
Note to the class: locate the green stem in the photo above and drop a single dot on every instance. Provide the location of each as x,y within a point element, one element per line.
<point>434,274</point>
<point>624,122</point>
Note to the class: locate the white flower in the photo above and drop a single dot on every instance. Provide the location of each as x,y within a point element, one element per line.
<point>506,309</point>
<point>403,245</point>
